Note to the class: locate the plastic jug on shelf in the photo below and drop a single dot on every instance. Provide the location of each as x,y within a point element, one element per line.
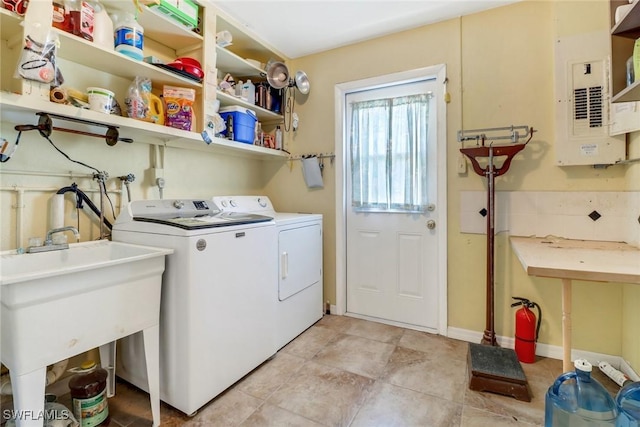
<point>102,26</point>
<point>129,36</point>
<point>628,401</point>
<point>577,399</point>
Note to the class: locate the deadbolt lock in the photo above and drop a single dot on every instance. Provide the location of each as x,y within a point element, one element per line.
<point>431,224</point>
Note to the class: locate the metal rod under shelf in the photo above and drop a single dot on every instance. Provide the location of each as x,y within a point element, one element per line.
<point>319,156</point>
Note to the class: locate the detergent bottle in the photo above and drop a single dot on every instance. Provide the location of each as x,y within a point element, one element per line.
<point>577,399</point>
<point>628,401</point>
<point>155,112</point>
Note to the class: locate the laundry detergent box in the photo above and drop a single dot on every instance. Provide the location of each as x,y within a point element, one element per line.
<point>243,122</point>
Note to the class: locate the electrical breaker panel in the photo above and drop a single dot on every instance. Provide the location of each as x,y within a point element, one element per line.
<point>583,107</point>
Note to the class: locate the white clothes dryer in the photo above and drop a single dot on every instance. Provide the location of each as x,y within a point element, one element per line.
<point>299,249</point>
<point>217,306</point>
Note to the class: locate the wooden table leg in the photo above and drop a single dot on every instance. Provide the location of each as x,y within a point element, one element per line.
<point>566,325</point>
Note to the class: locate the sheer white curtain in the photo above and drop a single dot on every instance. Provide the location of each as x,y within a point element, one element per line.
<point>389,153</point>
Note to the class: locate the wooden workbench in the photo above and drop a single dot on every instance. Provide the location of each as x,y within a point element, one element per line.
<point>576,259</point>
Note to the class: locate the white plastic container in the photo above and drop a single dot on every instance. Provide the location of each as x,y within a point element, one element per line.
<point>249,92</point>
<point>278,138</point>
<point>100,99</point>
<point>102,26</point>
<point>129,37</point>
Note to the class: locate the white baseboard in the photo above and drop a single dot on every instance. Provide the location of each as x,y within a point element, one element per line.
<point>628,371</point>
<point>550,351</point>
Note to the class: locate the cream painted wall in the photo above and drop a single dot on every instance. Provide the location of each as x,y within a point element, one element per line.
<point>500,66</point>
<point>500,70</point>
<point>193,174</point>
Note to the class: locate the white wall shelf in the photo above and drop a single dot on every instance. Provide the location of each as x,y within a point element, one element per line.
<point>19,109</point>
<point>265,115</point>
<point>623,35</point>
<point>76,49</point>
<point>158,26</point>
<point>244,44</point>
<point>231,63</point>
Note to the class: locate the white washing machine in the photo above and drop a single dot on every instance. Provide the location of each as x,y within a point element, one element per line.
<point>218,297</point>
<point>299,261</point>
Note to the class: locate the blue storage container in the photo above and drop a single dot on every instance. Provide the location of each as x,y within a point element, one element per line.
<point>577,399</point>
<point>628,401</point>
<point>244,123</point>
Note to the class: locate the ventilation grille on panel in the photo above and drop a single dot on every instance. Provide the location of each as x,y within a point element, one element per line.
<point>588,108</point>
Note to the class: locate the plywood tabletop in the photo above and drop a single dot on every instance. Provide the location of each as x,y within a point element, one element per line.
<point>578,259</point>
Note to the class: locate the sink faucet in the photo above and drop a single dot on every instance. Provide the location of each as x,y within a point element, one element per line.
<point>48,240</point>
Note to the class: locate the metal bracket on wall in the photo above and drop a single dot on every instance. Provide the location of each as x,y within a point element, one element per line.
<point>512,133</point>
<point>45,128</point>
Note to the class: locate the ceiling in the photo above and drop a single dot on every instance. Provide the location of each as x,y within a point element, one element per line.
<point>302,27</point>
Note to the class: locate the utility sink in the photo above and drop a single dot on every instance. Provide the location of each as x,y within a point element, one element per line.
<point>57,304</point>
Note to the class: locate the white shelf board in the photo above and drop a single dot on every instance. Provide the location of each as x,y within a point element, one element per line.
<point>244,44</point>
<point>262,113</point>
<point>628,94</point>
<point>18,109</point>
<point>76,49</point>
<point>159,27</point>
<point>231,63</point>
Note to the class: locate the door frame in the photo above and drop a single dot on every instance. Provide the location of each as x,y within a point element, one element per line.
<point>340,92</point>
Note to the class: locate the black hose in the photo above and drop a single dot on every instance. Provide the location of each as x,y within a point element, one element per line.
<point>80,197</point>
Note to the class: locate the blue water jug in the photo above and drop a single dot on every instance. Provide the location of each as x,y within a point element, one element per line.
<point>628,401</point>
<point>576,399</point>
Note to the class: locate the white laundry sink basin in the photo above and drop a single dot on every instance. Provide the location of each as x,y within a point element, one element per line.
<point>57,304</point>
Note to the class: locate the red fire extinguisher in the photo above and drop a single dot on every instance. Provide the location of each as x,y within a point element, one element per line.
<point>527,329</point>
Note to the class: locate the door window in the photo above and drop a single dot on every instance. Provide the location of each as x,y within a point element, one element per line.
<point>388,151</point>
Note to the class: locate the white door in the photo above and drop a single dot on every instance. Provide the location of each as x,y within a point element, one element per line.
<point>391,201</point>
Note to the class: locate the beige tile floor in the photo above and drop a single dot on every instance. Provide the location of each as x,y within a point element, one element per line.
<point>350,372</point>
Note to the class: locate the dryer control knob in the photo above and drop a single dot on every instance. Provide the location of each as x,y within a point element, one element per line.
<point>262,202</point>
<point>232,203</point>
<point>178,204</point>
<point>224,203</point>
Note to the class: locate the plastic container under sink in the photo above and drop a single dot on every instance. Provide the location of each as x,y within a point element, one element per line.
<point>576,399</point>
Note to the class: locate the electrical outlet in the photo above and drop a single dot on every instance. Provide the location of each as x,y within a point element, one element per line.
<point>462,164</point>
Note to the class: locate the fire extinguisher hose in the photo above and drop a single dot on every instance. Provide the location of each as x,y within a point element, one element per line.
<point>529,304</point>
